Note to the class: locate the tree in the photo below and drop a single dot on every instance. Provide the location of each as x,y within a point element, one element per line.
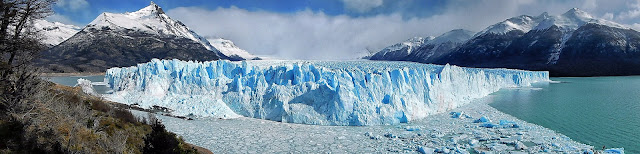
<point>19,45</point>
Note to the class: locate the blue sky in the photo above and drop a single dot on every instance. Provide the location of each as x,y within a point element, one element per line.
<point>339,29</point>
<point>81,12</point>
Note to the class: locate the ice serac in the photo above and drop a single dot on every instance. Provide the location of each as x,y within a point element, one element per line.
<point>309,92</point>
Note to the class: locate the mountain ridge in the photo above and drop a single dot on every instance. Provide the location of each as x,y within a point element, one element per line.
<point>557,44</point>
<point>54,33</point>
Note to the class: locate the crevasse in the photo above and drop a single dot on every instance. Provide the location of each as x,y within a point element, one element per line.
<point>309,92</point>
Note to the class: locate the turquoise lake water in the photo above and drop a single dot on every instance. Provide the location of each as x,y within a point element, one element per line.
<point>599,111</point>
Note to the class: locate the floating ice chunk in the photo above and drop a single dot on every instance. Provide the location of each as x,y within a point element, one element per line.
<point>442,150</point>
<point>425,150</point>
<point>457,115</point>
<point>86,86</point>
<point>614,151</point>
<point>587,151</point>
<point>489,125</point>
<point>368,134</point>
<point>473,142</point>
<point>509,124</point>
<point>520,146</point>
<point>390,135</point>
<point>482,119</point>
<point>412,128</point>
<point>498,147</point>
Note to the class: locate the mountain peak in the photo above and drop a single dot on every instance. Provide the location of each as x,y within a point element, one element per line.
<point>150,19</point>
<point>453,36</point>
<point>543,15</point>
<point>153,8</point>
<point>577,13</point>
<point>54,33</point>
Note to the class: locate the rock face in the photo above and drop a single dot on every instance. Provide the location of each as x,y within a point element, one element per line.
<point>118,40</point>
<point>571,44</point>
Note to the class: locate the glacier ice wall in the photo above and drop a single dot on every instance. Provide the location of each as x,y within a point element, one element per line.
<point>309,92</point>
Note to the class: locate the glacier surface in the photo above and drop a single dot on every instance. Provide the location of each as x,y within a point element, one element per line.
<point>309,92</point>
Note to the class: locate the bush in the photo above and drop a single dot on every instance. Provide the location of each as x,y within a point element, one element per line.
<point>162,141</point>
<point>124,115</point>
<point>100,106</point>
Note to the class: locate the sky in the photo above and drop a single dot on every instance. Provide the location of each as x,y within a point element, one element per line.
<point>339,29</point>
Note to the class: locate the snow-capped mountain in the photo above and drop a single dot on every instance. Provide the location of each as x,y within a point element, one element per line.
<point>568,21</point>
<point>571,44</point>
<point>401,50</point>
<point>229,49</point>
<point>126,39</point>
<point>54,33</point>
<point>418,48</point>
<point>150,19</point>
<point>453,36</point>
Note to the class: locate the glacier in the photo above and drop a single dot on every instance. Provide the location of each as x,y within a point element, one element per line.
<point>309,92</point>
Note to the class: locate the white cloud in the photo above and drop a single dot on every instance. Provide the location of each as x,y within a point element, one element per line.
<point>62,19</point>
<point>315,35</point>
<point>362,6</point>
<point>73,5</point>
<point>302,35</point>
<point>608,16</point>
<point>633,11</point>
<point>589,5</point>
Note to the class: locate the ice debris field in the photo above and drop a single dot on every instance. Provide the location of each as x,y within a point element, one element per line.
<point>309,92</point>
<point>439,133</point>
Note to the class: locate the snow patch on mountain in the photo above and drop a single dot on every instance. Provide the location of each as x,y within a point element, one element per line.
<point>150,19</point>
<point>411,44</point>
<point>453,36</point>
<point>229,49</point>
<point>522,23</point>
<point>309,92</point>
<point>568,21</point>
<point>572,20</point>
<point>400,51</point>
<point>54,33</point>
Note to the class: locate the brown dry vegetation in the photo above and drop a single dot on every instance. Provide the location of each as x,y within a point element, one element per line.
<point>37,116</point>
<point>69,121</point>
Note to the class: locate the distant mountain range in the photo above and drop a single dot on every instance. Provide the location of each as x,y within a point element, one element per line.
<point>571,44</point>
<point>120,40</point>
<point>54,33</point>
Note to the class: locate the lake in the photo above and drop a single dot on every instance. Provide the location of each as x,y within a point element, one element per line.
<point>73,80</point>
<point>599,111</point>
